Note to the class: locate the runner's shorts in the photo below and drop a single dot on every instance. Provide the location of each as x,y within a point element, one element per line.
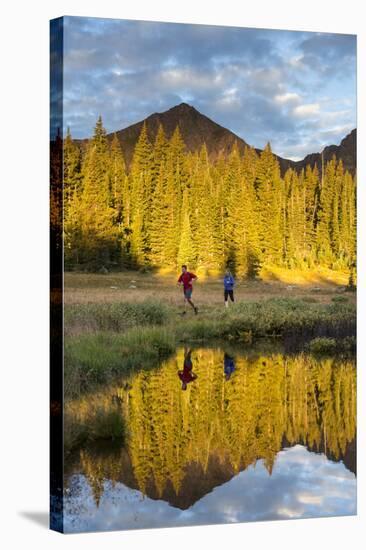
<point>188,293</point>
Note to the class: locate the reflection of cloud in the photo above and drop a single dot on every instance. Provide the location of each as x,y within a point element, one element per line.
<point>302,484</point>
<point>287,513</point>
<point>126,70</point>
<point>309,499</point>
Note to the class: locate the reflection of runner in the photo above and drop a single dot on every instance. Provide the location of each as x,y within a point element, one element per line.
<point>229,366</point>
<point>187,375</point>
<point>186,279</point>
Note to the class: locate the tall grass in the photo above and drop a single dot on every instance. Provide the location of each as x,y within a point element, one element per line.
<point>98,357</point>
<point>92,417</point>
<point>92,359</point>
<point>114,316</point>
<point>103,356</point>
<point>277,317</point>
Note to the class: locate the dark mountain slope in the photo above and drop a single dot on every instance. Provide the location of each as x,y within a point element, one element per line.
<point>345,151</point>
<point>197,129</point>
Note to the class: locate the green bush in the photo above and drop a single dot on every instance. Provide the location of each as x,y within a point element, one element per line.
<point>348,344</point>
<point>332,345</point>
<point>289,304</point>
<point>322,345</point>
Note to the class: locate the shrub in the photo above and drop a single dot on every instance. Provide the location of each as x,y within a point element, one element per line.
<point>322,345</point>
<point>349,343</point>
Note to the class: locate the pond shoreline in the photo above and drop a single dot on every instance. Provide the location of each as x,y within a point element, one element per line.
<point>120,338</point>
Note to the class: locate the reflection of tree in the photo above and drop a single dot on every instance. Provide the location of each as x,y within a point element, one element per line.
<point>95,474</point>
<point>269,400</point>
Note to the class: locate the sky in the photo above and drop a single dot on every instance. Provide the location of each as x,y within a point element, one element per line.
<point>296,90</point>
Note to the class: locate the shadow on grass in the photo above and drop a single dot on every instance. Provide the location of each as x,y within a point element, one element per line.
<point>327,281</point>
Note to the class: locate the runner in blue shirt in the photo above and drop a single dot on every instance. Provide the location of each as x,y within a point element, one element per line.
<point>228,287</point>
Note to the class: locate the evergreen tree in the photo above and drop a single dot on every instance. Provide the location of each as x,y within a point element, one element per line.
<point>71,170</point>
<point>159,201</point>
<point>96,216</point>
<point>295,220</point>
<point>231,186</point>
<point>141,192</point>
<point>176,180</point>
<point>323,239</point>
<point>270,193</point>
<point>120,199</point>
<point>186,251</point>
<point>347,222</point>
<point>159,154</point>
<point>312,201</point>
<point>177,158</point>
<point>159,220</point>
<point>73,238</point>
<point>72,188</point>
<point>204,215</point>
<point>173,206</point>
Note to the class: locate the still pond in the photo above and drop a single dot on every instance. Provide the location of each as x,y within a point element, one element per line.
<point>219,436</point>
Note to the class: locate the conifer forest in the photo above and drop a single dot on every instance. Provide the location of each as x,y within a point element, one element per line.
<point>173,206</point>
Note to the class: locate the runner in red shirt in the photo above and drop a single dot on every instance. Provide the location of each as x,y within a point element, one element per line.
<point>186,279</point>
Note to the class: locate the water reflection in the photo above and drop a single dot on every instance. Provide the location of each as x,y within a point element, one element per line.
<point>187,375</point>
<point>303,484</point>
<point>229,365</point>
<point>276,441</point>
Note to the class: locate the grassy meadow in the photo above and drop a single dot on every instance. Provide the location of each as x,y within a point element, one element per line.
<point>132,287</point>
<point>118,322</point>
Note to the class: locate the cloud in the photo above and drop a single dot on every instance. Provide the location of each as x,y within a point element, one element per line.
<point>288,97</point>
<point>244,79</point>
<point>327,58</point>
<point>308,110</point>
<point>329,47</point>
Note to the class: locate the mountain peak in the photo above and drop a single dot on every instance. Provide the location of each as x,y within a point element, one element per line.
<point>198,129</point>
<point>183,106</point>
